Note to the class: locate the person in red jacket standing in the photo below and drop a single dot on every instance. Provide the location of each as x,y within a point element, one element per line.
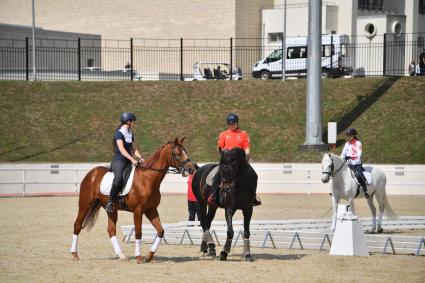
<point>232,137</point>
<point>192,204</point>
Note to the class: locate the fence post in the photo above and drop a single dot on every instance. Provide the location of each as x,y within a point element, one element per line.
<point>131,57</point>
<point>79,59</point>
<point>181,59</point>
<point>26,59</point>
<point>332,53</point>
<point>384,65</point>
<point>231,58</point>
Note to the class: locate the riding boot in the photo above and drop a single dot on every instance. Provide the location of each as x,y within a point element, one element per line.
<point>257,201</point>
<point>363,184</point>
<point>110,207</point>
<point>212,199</point>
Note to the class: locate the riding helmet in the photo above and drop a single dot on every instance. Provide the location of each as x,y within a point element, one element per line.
<point>232,118</point>
<point>127,116</point>
<point>351,132</point>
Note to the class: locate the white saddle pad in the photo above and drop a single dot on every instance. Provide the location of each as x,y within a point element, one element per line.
<point>106,184</point>
<point>211,175</point>
<point>368,177</point>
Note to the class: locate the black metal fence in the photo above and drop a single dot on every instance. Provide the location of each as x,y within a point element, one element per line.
<point>201,59</point>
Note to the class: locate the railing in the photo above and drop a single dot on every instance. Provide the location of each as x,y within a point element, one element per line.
<point>187,59</point>
<point>273,178</point>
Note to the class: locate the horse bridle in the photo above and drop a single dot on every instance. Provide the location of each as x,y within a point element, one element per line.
<point>331,173</point>
<point>178,169</point>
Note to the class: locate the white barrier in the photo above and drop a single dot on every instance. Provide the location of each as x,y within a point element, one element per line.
<point>65,178</point>
<point>291,233</point>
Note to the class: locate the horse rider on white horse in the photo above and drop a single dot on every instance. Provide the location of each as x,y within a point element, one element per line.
<point>352,153</point>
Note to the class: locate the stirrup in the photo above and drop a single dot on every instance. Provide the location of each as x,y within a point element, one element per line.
<point>110,207</point>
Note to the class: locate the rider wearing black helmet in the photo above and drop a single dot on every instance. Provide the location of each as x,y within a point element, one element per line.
<point>124,150</point>
<point>353,152</point>
<point>232,137</point>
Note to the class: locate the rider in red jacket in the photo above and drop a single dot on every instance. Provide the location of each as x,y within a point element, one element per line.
<point>232,137</point>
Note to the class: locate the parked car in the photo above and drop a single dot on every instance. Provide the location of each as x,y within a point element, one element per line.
<point>203,71</point>
<point>98,73</point>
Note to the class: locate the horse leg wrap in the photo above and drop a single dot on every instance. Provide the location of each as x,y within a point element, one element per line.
<point>208,237</point>
<point>74,243</point>
<point>155,244</point>
<point>227,246</point>
<point>246,247</point>
<point>138,248</point>
<point>116,245</point>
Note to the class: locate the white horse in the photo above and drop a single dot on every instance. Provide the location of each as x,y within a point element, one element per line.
<point>344,186</point>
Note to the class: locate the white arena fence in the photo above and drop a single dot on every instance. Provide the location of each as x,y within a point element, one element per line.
<point>291,233</point>
<point>22,179</point>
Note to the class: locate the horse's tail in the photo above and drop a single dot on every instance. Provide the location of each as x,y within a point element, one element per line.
<point>388,211</point>
<point>91,216</point>
<point>87,193</point>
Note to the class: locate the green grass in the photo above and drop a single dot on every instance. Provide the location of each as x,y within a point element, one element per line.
<point>75,121</point>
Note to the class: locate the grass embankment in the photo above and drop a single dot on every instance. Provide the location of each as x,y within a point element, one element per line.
<point>74,121</point>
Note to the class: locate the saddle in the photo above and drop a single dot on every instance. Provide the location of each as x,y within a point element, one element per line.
<point>106,184</point>
<point>211,175</point>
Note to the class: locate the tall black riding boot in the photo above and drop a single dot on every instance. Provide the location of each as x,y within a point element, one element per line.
<point>110,207</point>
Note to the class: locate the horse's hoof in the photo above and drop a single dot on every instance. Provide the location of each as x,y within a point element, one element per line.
<point>122,257</point>
<point>211,250</point>
<point>223,256</point>
<point>139,259</point>
<point>380,230</point>
<point>248,257</point>
<point>148,257</point>
<point>75,257</point>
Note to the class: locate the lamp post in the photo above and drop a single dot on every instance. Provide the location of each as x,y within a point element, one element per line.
<point>34,71</point>
<point>284,44</point>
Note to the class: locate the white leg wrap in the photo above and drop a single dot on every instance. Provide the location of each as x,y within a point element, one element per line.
<point>116,246</point>
<point>74,243</point>
<point>155,244</point>
<point>138,248</point>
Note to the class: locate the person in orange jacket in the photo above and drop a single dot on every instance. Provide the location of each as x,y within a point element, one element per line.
<point>232,137</point>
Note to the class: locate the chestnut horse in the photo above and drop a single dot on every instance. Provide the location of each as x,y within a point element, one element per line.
<point>143,198</point>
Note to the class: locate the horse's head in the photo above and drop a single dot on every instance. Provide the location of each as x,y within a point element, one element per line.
<point>230,163</point>
<point>179,158</point>
<point>327,167</point>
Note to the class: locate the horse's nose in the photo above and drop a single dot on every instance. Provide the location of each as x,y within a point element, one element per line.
<point>191,170</point>
<point>325,178</point>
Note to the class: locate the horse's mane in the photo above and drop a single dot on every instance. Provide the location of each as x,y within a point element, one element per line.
<point>155,155</point>
<point>235,153</point>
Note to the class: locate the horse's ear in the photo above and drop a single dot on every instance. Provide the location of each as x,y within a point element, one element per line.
<point>182,140</point>
<point>176,141</point>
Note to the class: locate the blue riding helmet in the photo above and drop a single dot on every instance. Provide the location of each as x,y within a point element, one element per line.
<point>127,116</point>
<point>351,132</point>
<point>232,118</point>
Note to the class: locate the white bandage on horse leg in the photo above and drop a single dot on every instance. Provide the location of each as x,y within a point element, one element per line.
<point>155,244</point>
<point>246,247</point>
<point>138,248</point>
<point>209,237</point>
<point>74,243</point>
<point>116,246</point>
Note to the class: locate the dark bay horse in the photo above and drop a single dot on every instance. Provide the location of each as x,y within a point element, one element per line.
<point>238,186</point>
<point>143,198</point>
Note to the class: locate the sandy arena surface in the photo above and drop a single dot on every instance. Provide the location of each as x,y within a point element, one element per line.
<point>36,233</point>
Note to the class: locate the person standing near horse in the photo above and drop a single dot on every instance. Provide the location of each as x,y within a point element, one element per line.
<point>353,152</point>
<point>232,137</point>
<point>192,203</point>
<point>124,154</point>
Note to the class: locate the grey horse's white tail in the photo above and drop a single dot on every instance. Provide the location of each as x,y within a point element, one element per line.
<point>388,211</point>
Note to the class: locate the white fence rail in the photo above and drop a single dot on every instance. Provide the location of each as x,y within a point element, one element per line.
<point>291,233</point>
<point>33,179</point>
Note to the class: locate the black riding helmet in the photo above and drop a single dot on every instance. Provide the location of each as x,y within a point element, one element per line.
<point>232,118</point>
<point>351,132</point>
<point>127,116</point>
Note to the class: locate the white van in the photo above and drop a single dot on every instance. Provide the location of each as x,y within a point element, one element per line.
<point>335,58</point>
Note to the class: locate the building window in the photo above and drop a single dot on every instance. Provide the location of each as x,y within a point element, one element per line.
<point>370,4</point>
<point>275,37</point>
<point>90,62</point>
<point>421,7</point>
